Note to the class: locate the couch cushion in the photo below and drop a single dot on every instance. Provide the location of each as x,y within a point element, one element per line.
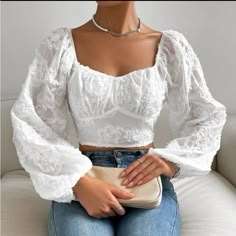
<point>207,205</point>
<point>23,211</point>
<point>226,160</point>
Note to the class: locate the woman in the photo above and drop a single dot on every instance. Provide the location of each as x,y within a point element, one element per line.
<point>114,84</point>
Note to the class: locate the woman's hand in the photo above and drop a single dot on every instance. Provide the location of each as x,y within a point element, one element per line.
<point>146,168</point>
<point>99,198</point>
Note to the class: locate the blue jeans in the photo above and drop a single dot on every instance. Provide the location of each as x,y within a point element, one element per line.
<point>71,219</point>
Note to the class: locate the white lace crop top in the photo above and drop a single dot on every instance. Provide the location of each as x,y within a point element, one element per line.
<point>111,111</point>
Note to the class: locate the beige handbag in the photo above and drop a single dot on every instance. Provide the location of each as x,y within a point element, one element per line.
<point>147,195</point>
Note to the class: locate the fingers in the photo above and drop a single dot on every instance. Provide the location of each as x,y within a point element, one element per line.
<point>132,166</point>
<point>112,206</point>
<point>110,212</point>
<point>119,209</point>
<point>141,170</point>
<point>107,210</point>
<point>138,179</point>
<point>120,193</point>
<point>137,170</point>
<point>115,206</point>
<point>105,213</point>
<point>150,176</point>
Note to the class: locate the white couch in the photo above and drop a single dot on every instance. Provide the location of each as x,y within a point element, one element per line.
<point>207,203</point>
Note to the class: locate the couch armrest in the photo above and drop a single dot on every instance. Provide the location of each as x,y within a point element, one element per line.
<point>226,156</point>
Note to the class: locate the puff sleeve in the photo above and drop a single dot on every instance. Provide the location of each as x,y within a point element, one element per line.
<point>196,119</point>
<point>40,122</point>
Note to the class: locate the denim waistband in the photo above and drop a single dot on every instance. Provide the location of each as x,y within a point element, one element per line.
<point>119,158</point>
<point>114,158</point>
<point>115,152</point>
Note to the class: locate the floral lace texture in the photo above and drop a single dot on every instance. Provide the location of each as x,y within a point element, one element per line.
<point>196,119</point>
<point>110,111</point>
<point>40,123</point>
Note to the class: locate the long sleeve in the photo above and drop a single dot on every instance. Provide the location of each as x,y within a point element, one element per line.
<point>40,122</point>
<point>195,118</point>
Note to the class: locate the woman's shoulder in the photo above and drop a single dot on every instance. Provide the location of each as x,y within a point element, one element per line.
<point>175,34</point>
<point>175,37</point>
<point>54,43</point>
<point>54,49</point>
<point>176,44</point>
<point>56,35</point>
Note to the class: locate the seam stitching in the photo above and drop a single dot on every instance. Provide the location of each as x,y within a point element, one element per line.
<point>54,218</point>
<point>172,231</point>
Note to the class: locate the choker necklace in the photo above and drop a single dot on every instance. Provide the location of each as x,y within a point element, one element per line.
<point>116,34</point>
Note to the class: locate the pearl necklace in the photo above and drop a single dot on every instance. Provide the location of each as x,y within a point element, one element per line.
<point>116,34</point>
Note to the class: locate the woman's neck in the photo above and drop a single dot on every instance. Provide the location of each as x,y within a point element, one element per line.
<point>118,18</point>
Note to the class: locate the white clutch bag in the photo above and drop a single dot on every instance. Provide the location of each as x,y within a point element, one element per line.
<point>147,195</point>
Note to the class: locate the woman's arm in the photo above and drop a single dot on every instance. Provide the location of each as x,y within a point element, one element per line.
<point>40,123</point>
<point>196,119</point>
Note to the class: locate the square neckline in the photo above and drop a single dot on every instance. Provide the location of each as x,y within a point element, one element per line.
<point>157,58</point>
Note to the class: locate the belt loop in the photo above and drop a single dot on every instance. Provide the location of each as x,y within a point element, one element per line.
<point>141,152</point>
<point>88,153</point>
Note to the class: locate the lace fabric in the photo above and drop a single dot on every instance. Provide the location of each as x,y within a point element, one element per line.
<point>111,111</point>
<point>196,119</point>
<point>40,123</point>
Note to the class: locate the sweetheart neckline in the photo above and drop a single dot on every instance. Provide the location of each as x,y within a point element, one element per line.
<point>157,59</point>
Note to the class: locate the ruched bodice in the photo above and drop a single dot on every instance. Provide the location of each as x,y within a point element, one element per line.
<point>112,111</point>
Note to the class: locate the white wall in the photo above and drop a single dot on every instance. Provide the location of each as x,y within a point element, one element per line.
<point>209,27</point>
